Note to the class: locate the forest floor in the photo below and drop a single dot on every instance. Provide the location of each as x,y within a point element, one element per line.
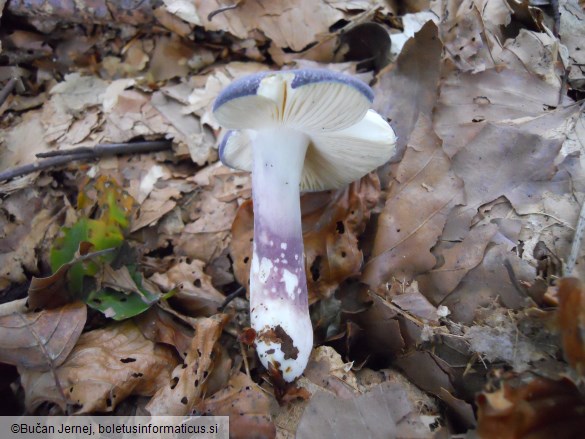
<point>445,287</point>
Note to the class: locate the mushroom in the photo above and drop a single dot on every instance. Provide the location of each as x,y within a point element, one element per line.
<point>295,130</point>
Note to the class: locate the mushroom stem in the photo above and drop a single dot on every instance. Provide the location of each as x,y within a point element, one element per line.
<point>279,307</point>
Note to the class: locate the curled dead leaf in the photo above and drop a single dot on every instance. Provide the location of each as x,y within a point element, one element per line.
<point>195,294</point>
<point>537,408</point>
<point>188,382</point>
<point>571,321</point>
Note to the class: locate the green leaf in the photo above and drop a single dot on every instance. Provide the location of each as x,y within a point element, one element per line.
<point>119,305</point>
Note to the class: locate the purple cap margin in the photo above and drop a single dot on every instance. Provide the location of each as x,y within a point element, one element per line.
<point>249,85</point>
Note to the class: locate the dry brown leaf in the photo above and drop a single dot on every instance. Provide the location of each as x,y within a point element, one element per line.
<point>361,416</point>
<point>291,24</point>
<point>434,375</point>
<point>327,370</point>
<point>499,337</point>
<point>380,336</point>
<point>571,321</point>
<point>106,366</point>
<point>188,383</point>
<point>456,260</point>
<point>417,305</point>
<point>472,29</point>
<point>209,214</point>
<point>534,407</point>
<point>174,57</point>
<point>132,114</point>
<point>43,340</point>
<point>332,222</point>
<point>407,88</point>
<point>419,199</point>
<point>467,102</point>
<point>159,326</point>
<point>19,145</point>
<point>28,223</point>
<point>488,282</point>
<point>190,131</point>
<point>572,34</point>
<point>247,406</point>
<point>195,294</point>
<point>504,161</point>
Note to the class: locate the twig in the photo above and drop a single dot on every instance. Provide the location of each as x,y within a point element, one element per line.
<point>60,158</point>
<point>7,89</point>
<point>112,149</point>
<point>221,10</point>
<point>230,297</point>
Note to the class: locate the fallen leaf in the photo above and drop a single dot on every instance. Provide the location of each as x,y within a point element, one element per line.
<point>533,407</point>
<point>327,415</point>
<point>159,326</point>
<point>456,260</point>
<point>418,201</point>
<point>571,321</point>
<point>105,367</point>
<point>21,144</point>
<point>188,382</point>
<point>380,336</point>
<point>247,406</point>
<point>52,292</point>
<point>471,30</point>
<point>499,338</point>
<point>500,149</point>
<point>571,33</point>
<point>488,282</point>
<point>28,223</point>
<point>194,294</point>
<point>467,102</point>
<point>293,25</point>
<point>41,340</point>
<point>407,88</point>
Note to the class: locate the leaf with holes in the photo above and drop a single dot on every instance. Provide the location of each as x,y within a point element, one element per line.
<point>189,380</point>
<point>105,367</point>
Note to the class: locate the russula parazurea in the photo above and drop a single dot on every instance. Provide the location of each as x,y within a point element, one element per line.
<point>296,130</point>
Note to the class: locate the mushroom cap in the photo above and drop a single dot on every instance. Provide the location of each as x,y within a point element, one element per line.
<point>347,139</point>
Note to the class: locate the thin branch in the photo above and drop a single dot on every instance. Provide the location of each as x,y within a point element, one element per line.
<point>231,297</point>
<point>59,158</point>
<point>222,10</point>
<point>112,149</point>
<point>7,89</point>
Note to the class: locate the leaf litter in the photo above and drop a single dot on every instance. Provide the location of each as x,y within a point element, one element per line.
<point>437,284</point>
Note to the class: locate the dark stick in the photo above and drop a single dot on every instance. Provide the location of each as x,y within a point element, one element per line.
<point>221,10</point>
<point>7,89</point>
<point>231,297</point>
<point>112,149</point>
<point>67,156</point>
